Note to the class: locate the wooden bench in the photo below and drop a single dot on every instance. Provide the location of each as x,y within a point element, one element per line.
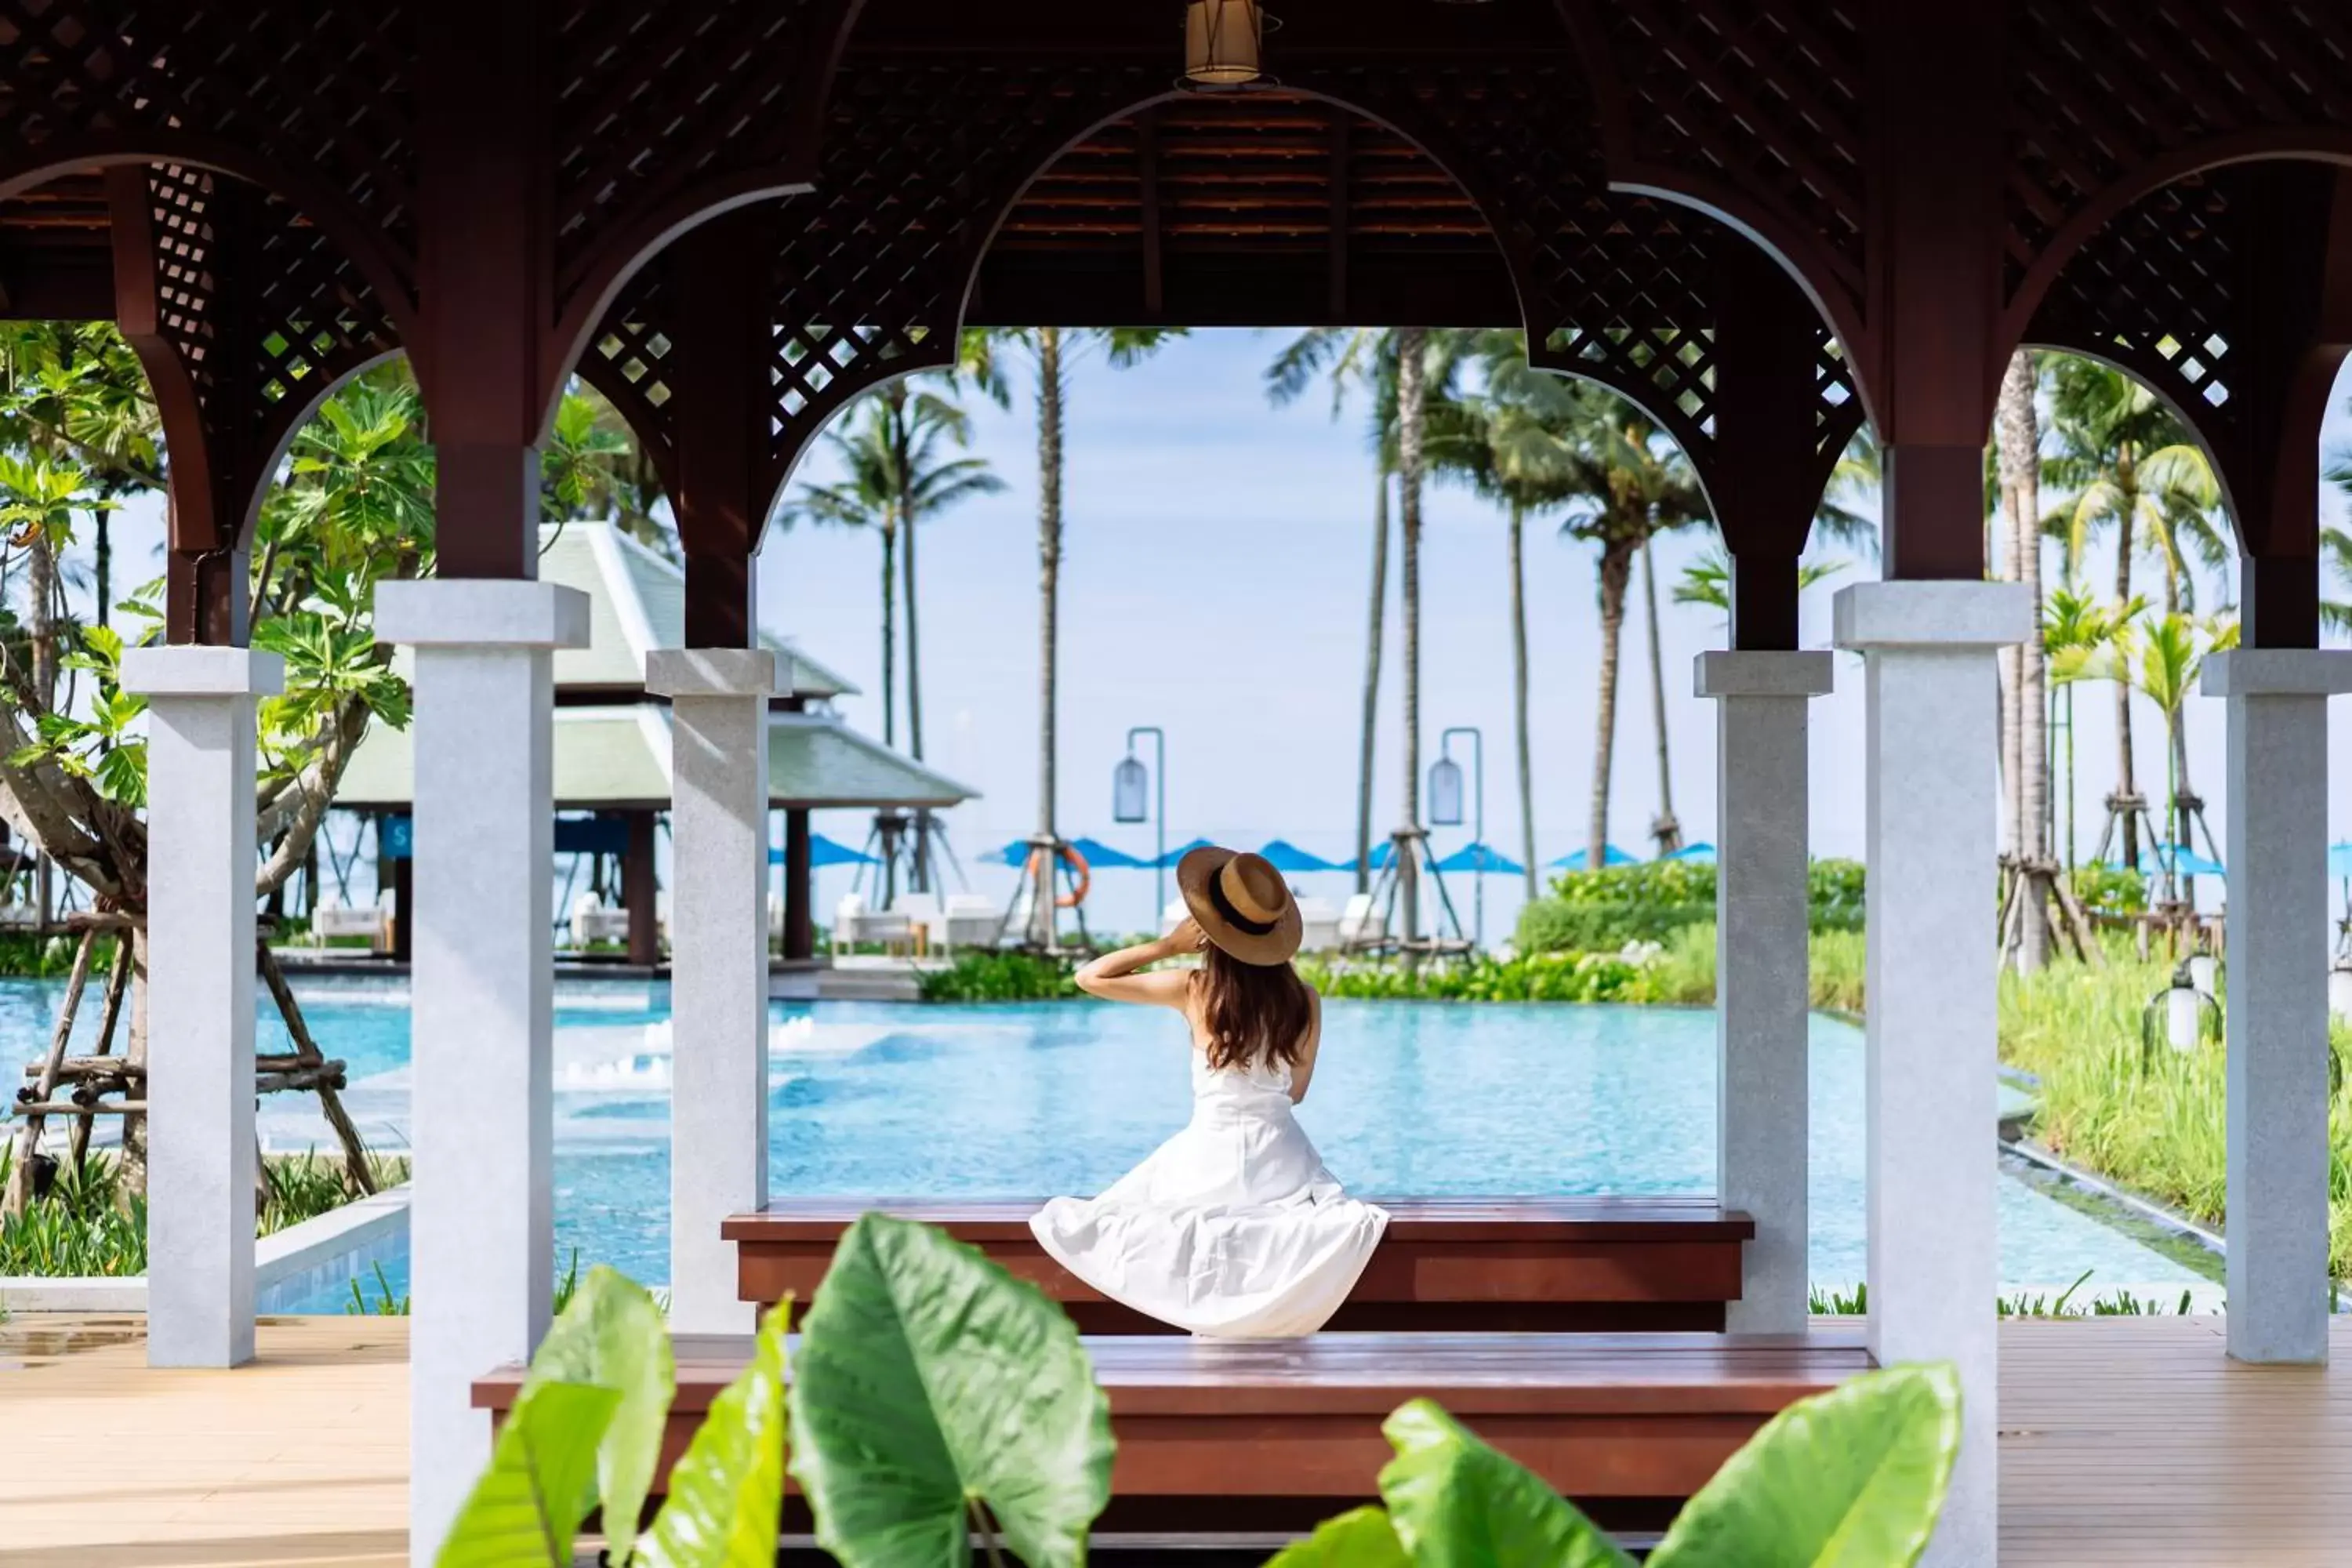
<point>1281,1434</point>
<point>1503,1265</point>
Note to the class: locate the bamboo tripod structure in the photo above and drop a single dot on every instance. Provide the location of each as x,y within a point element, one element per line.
<point>2024,879</point>
<point>1389,891</point>
<point>88,1081</point>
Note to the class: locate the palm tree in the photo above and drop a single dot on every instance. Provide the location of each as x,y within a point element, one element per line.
<point>2079,638</point>
<point>1635,485</point>
<point>2163,663</point>
<point>895,477</point>
<point>2018,444</point>
<point>1050,351</point>
<point>1365,356</point>
<point>2128,466</point>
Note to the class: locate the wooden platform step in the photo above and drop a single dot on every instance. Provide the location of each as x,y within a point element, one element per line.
<point>1283,1433</point>
<point>1503,1265</point>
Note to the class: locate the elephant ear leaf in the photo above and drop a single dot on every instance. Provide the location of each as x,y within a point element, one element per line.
<point>931,1391</point>
<point>1851,1479</point>
<point>525,1510</point>
<point>1363,1538</point>
<point>1458,1503</point>
<point>613,1335</point>
<point>727,1494</point>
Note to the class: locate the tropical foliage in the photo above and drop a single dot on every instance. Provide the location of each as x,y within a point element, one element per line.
<point>934,1397</point>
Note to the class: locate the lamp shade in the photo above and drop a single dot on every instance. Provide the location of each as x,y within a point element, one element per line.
<point>1223,42</point>
<point>1446,793</point>
<point>1130,792</point>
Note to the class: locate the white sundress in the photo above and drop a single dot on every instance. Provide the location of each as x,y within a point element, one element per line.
<point>1231,1230</point>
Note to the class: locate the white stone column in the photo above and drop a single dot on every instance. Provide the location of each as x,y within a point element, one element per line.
<point>200,984</point>
<point>1933,760</point>
<point>2277,1024</point>
<point>718,968</point>
<point>1763,998</point>
<point>481,1108</point>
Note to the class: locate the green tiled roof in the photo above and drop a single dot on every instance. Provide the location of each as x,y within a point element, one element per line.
<point>608,758</point>
<point>636,602</point>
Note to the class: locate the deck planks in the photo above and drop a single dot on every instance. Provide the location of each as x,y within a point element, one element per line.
<point>1550,1265</point>
<point>2124,1440</point>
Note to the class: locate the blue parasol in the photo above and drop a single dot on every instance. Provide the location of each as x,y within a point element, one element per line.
<point>1695,854</point>
<point>1291,861</point>
<point>1168,861</point>
<point>825,852</point>
<point>1613,857</point>
<point>2339,861</point>
<point>1478,859</point>
<point>1099,856</point>
<point>1103,857</point>
<point>2180,859</point>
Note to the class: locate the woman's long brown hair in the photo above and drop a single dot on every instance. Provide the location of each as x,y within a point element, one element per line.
<point>1252,1014</point>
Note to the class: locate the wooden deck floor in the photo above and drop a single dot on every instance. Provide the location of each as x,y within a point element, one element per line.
<point>2123,1441</point>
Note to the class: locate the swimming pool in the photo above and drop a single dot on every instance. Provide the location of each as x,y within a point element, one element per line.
<point>1030,1101</point>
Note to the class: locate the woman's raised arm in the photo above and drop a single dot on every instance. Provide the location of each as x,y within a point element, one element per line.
<point>1117,977</point>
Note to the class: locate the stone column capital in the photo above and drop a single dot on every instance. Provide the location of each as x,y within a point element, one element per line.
<point>486,612</point>
<point>689,672</point>
<point>1932,615</point>
<point>1754,673</point>
<point>186,669</point>
<point>2278,672</point>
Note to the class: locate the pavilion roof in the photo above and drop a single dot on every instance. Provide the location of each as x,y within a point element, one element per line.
<point>618,758</point>
<point>636,603</point>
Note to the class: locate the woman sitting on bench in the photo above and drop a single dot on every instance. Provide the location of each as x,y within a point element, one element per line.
<point>1233,1228</point>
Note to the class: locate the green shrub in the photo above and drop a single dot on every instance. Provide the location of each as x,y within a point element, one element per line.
<point>1601,911</point>
<point>1558,925</point>
<point>2108,890</point>
<point>1836,890</point>
<point>1000,977</point>
<point>1536,977</point>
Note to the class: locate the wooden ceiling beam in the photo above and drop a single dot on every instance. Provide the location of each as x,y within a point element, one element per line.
<point>1155,292</point>
<point>1340,194</point>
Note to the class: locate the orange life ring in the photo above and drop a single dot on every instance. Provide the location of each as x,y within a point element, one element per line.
<point>1078,867</point>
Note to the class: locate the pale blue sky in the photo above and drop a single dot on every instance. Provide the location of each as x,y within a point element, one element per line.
<point>1217,559</point>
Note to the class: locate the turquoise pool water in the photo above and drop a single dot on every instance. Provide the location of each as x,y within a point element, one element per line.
<point>1030,1100</point>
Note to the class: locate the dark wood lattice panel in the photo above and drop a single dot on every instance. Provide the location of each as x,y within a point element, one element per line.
<point>625,363</point>
<point>261,308</point>
<point>317,87</point>
<point>648,97</point>
<point>2154,291</point>
<point>2101,88</point>
<point>1838,413</point>
<point>1759,95</point>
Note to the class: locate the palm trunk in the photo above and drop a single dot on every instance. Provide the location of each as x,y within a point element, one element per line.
<point>920,862</point>
<point>1667,830</point>
<point>889,634</point>
<point>104,569</point>
<point>1372,634</point>
<point>1616,573</point>
<point>2126,783</point>
<point>2021,463</point>
<point>1412,392</point>
<point>1042,927</point>
<point>1519,696</point>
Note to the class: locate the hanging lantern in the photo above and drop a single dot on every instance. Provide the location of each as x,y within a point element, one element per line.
<point>1224,43</point>
<point>1446,793</point>
<point>1130,792</point>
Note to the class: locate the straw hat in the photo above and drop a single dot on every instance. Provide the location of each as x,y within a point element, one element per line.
<point>1241,904</point>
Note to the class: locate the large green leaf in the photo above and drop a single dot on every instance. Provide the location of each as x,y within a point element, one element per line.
<point>525,1510</point>
<point>727,1493</point>
<point>1850,1479</point>
<point>930,1379</point>
<point>612,1334</point>
<point>1458,1503</point>
<point>1363,1538</point>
